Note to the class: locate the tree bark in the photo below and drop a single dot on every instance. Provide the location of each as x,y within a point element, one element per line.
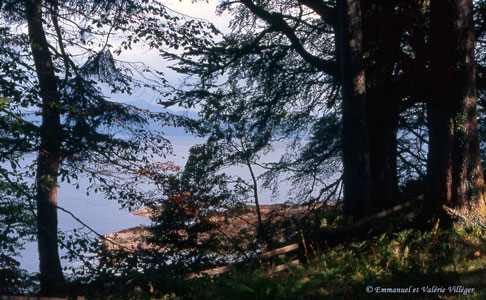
<point>382,43</point>
<point>456,189</point>
<point>49,157</point>
<point>383,125</point>
<point>356,155</point>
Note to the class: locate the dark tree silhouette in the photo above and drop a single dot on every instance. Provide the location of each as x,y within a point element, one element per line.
<point>49,152</point>
<point>456,190</point>
<point>356,155</point>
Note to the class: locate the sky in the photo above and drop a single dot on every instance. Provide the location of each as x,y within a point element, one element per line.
<point>201,9</point>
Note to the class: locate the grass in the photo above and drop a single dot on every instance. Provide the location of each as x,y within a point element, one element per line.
<point>426,263</point>
<point>388,254</point>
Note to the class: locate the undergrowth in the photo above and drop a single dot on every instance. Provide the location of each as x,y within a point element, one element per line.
<point>425,265</point>
<point>388,254</point>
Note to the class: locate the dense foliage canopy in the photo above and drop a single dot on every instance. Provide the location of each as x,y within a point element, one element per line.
<point>369,113</point>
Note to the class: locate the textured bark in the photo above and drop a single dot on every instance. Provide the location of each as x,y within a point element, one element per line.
<point>382,43</point>
<point>356,157</point>
<point>456,187</point>
<point>51,277</point>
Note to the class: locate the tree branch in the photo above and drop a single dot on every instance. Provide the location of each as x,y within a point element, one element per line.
<point>327,14</point>
<point>278,23</point>
<point>102,237</point>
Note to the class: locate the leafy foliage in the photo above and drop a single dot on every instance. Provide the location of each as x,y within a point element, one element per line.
<point>103,140</point>
<point>254,87</point>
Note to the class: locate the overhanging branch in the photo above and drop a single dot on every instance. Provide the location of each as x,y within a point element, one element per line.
<point>326,13</point>
<point>278,23</point>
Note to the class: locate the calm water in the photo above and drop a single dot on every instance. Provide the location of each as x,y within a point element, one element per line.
<point>106,216</point>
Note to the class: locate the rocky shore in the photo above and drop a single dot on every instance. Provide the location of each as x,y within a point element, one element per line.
<point>133,238</point>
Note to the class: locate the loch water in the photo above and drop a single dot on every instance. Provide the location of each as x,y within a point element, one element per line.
<point>106,216</point>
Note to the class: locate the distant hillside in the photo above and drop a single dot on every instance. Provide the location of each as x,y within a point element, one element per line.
<point>167,130</point>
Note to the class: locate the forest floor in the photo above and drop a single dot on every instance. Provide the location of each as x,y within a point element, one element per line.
<point>390,258</point>
<point>397,263</point>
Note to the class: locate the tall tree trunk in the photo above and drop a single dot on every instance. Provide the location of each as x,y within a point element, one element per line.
<point>51,277</point>
<point>381,43</point>
<point>383,125</point>
<point>356,156</point>
<point>456,189</point>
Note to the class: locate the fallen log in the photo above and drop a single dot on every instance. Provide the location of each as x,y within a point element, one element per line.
<point>260,258</point>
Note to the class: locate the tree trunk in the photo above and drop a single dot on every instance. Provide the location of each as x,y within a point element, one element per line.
<point>51,277</point>
<point>382,43</point>
<point>383,126</point>
<point>456,188</point>
<point>260,228</point>
<point>356,155</point>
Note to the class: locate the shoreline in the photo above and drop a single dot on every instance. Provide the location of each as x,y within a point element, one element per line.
<point>133,239</point>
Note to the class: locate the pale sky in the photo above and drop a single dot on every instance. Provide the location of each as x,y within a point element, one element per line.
<point>200,9</point>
